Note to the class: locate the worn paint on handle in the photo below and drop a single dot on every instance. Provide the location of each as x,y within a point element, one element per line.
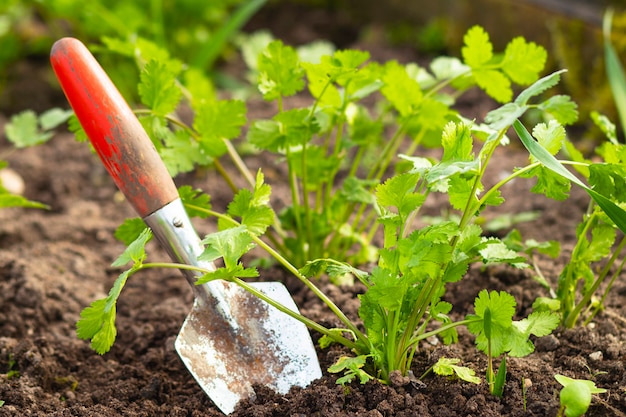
<point>121,142</point>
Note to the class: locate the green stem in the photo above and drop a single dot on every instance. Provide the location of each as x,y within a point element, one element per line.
<point>289,267</point>
<point>566,289</point>
<point>573,316</point>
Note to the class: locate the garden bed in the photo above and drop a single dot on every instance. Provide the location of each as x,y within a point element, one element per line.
<point>53,263</point>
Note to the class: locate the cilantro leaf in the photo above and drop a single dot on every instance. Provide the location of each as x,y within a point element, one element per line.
<point>286,129</point>
<point>457,142</point>
<point>333,268</point>
<point>253,207</point>
<point>158,89</point>
<point>23,130</point>
<point>609,180</point>
<point>398,191</point>
<point>280,74</point>
<point>538,324</point>
<point>478,49</point>
<point>136,251</point>
<point>217,120</point>
<point>562,108</point>
<point>495,251</point>
<point>12,200</point>
<point>550,136</point>
<point>496,84</point>
<point>402,91</point>
<point>550,184</point>
<point>97,321</point>
<point>351,366</point>
<point>196,198</point>
<point>130,230</point>
<point>448,367</point>
<point>498,308</point>
<point>523,61</point>
<point>229,244</point>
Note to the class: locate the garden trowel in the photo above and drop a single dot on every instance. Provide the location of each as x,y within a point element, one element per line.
<point>231,340</point>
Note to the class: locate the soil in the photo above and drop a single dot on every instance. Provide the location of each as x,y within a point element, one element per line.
<point>53,263</point>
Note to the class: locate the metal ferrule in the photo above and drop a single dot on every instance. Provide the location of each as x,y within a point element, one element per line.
<point>174,231</point>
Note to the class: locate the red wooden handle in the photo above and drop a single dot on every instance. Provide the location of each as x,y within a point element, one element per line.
<point>121,142</point>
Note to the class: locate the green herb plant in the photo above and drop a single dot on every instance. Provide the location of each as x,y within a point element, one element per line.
<point>599,243</point>
<point>24,130</point>
<point>403,303</point>
<point>575,396</point>
<point>449,367</point>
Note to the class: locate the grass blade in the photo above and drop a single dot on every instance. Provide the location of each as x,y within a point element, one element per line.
<point>207,56</point>
<point>615,213</point>
<point>614,70</point>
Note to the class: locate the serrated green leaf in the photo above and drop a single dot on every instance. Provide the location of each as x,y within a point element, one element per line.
<point>280,74</point>
<point>562,108</point>
<point>457,142</point>
<point>501,306</point>
<point>523,61</point>
<point>229,244</point>
<point>538,324</point>
<point>495,251</point>
<point>217,120</point>
<point>615,213</point>
<point>439,175</point>
<point>496,84</point>
<point>253,207</point>
<point>549,183</point>
<point>399,192</point>
<point>182,153</point>
<point>158,89</point>
<point>609,180</point>
<point>54,117</point>
<point>351,366</point>
<point>402,91</point>
<point>23,130</point>
<point>448,366</point>
<point>136,251</point>
<point>286,129</point>
<point>76,128</point>
<point>97,321</point>
<point>551,136</point>
<point>606,126</point>
<point>197,199</point>
<point>478,49</point>
<point>130,230</point>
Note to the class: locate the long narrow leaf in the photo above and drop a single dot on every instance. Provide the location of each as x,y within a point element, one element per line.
<point>211,50</point>
<point>615,213</point>
<point>614,70</point>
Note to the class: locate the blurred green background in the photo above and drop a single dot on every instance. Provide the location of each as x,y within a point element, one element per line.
<point>571,30</point>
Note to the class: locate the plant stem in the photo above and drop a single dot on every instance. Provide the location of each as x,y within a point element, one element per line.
<point>573,316</point>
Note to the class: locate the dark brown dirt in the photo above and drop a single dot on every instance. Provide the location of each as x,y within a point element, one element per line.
<point>54,263</point>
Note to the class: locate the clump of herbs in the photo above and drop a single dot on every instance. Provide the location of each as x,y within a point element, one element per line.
<point>325,148</point>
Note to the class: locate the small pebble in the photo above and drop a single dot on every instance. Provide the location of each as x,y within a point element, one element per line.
<point>596,356</point>
<point>12,181</point>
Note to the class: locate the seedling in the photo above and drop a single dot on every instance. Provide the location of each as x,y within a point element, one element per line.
<point>575,396</point>
<point>448,367</point>
<point>24,130</point>
<point>497,333</point>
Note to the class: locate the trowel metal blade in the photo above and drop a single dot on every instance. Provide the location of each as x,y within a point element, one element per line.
<point>267,348</point>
